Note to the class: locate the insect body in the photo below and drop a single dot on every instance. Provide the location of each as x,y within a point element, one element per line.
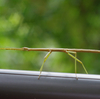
<point>50,50</point>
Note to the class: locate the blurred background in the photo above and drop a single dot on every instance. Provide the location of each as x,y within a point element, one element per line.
<point>49,24</point>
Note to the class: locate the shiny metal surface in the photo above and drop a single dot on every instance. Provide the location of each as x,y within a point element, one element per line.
<point>18,84</point>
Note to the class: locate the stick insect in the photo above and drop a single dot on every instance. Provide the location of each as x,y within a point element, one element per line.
<point>68,51</point>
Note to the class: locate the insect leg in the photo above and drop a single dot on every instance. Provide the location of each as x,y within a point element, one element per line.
<point>76,59</point>
<point>45,58</point>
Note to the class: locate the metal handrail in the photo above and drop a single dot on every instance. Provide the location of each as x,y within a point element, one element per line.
<point>17,84</point>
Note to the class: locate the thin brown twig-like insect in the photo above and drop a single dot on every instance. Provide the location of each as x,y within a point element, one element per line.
<point>50,50</point>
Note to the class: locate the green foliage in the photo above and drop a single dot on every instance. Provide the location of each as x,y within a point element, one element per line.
<point>49,23</point>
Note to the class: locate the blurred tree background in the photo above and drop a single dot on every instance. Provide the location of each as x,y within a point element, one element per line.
<point>49,24</point>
